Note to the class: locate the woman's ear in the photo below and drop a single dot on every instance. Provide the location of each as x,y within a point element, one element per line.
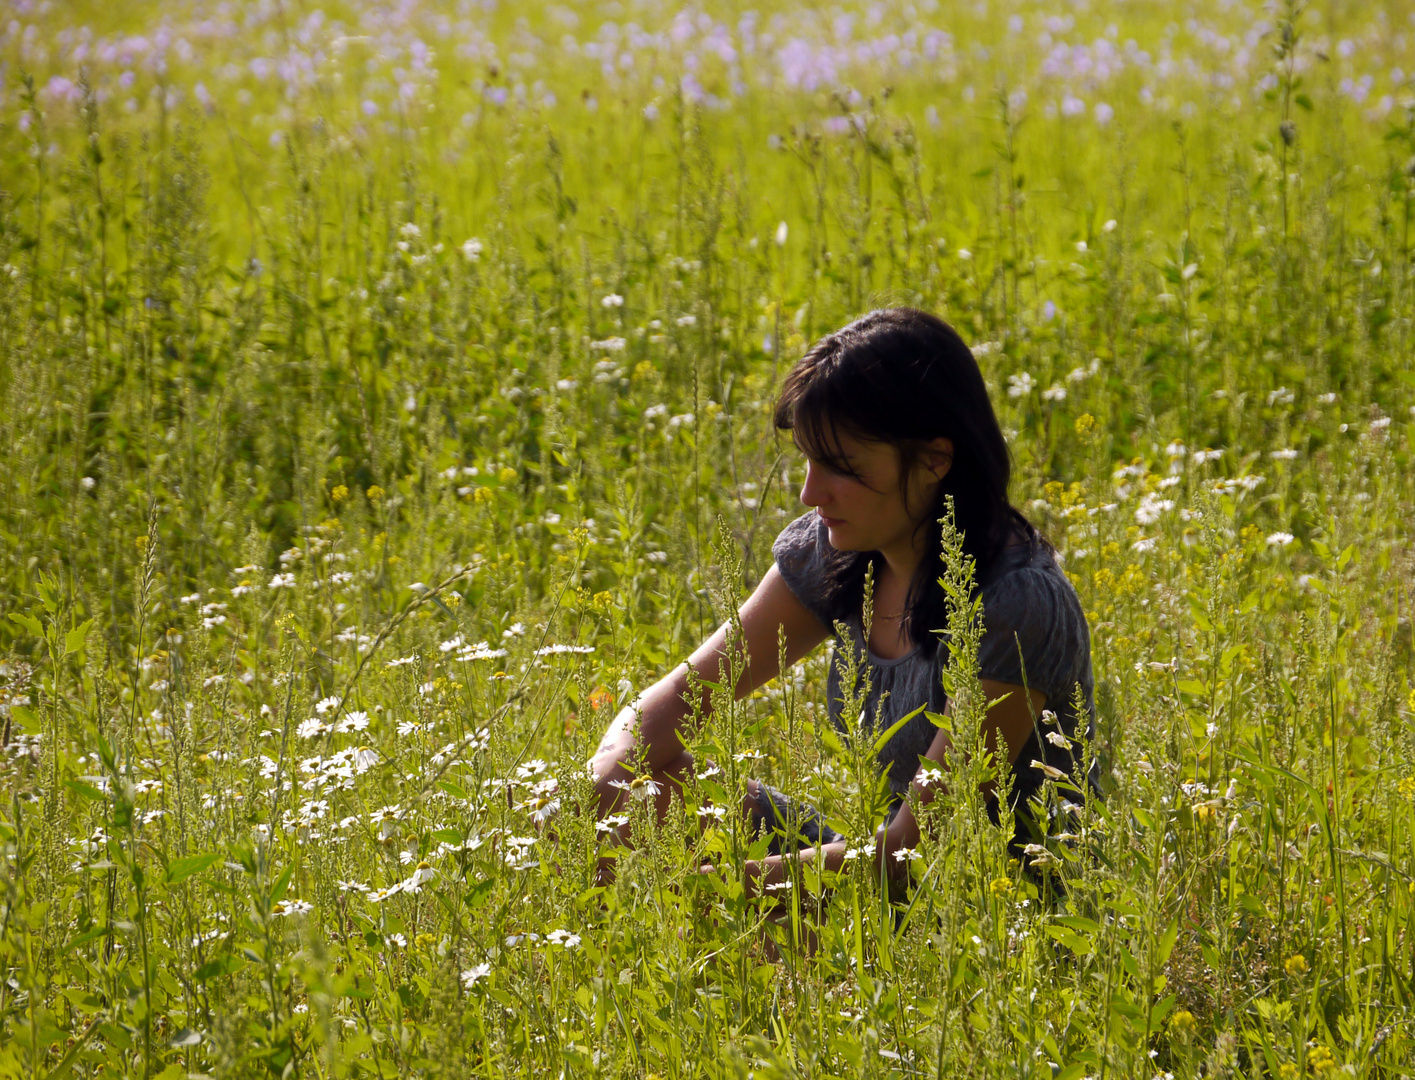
<point>938,457</point>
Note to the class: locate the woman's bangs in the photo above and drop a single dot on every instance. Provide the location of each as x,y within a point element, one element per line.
<point>817,435</point>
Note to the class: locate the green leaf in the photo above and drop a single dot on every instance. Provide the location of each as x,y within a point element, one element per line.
<point>893,728</point>
<point>1193,686</point>
<point>87,936</point>
<point>181,869</point>
<point>29,622</point>
<point>941,720</point>
<point>282,883</point>
<point>1080,924</point>
<point>1166,944</point>
<point>1078,944</point>
<point>477,895</point>
<point>87,791</point>
<point>447,836</point>
<point>24,718</point>
<point>83,1000</point>
<point>214,969</point>
<point>74,639</point>
<point>452,789</point>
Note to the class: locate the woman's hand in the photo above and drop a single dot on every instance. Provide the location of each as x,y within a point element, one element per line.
<point>753,872</point>
<point>901,834</point>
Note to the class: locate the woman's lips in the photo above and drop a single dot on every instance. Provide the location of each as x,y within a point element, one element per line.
<point>830,520</point>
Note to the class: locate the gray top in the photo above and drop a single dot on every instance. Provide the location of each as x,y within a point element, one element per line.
<point>1026,595</point>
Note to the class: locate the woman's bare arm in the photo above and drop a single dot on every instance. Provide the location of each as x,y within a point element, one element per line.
<point>656,716</point>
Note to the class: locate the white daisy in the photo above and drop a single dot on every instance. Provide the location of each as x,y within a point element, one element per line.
<point>641,787</point>
<point>474,975</point>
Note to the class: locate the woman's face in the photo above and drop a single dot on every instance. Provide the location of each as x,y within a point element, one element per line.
<point>870,514</point>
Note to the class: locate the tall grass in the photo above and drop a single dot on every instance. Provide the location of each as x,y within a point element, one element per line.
<point>359,475</point>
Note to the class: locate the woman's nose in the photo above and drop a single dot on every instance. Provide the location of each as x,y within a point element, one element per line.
<point>811,493</point>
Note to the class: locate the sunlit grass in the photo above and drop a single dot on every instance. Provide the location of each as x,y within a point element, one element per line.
<point>376,430</point>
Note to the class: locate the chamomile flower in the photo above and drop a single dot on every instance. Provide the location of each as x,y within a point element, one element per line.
<point>386,819</point>
<point>474,975</point>
<point>354,721</point>
<point>611,823</point>
<point>564,939</point>
<point>541,808</point>
<point>421,875</point>
<point>364,759</point>
<point>928,774</point>
<point>641,787</point>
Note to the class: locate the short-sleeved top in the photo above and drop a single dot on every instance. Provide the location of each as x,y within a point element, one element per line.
<point>1027,601</point>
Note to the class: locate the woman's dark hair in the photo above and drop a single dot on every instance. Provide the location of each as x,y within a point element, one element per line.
<point>903,376</point>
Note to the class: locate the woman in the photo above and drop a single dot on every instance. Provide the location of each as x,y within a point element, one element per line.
<point>892,415</point>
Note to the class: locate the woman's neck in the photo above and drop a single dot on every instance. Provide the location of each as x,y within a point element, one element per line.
<point>903,558</point>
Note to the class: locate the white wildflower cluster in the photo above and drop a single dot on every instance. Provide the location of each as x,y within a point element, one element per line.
<point>543,800</point>
<point>336,770</point>
<point>465,653</point>
<point>1020,385</point>
<point>655,414</point>
<point>453,472</point>
<point>1081,374</point>
<point>609,344</point>
<point>606,371</point>
<point>560,650</point>
<point>1238,483</point>
<point>1151,507</point>
<point>517,852</point>
<point>351,635</point>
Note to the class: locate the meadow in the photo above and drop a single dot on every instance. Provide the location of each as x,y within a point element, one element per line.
<point>386,392</point>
